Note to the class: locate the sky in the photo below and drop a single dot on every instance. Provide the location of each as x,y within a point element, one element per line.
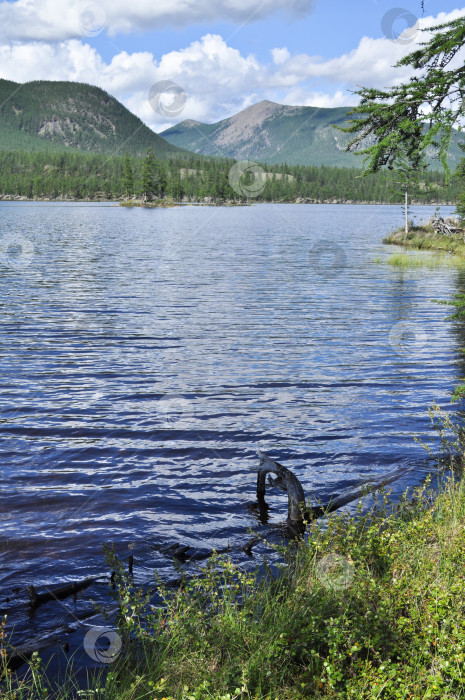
<point>170,60</point>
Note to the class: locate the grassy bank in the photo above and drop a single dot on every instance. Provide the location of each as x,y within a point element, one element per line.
<point>373,606</point>
<point>447,251</point>
<point>425,238</point>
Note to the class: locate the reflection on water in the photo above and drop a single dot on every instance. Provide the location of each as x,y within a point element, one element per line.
<point>147,354</point>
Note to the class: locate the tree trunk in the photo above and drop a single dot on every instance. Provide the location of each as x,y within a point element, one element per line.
<point>406,210</point>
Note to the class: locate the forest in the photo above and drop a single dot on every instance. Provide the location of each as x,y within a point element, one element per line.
<point>76,176</point>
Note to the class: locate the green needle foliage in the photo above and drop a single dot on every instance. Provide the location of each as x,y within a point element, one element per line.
<point>417,114</point>
<point>73,175</point>
<point>128,177</point>
<point>148,176</point>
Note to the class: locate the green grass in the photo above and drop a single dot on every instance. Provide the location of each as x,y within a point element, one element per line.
<point>372,606</point>
<point>437,251</point>
<point>429,261</point>
<point>425,238</point>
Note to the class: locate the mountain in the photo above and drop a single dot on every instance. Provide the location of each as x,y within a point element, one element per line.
<point>45,115</point>
<point>271,133</point>
<point>274,133</point>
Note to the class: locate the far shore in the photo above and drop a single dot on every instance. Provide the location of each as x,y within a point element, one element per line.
<point>208,202</point>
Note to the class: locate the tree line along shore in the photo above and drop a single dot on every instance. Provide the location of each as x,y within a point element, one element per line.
<point>74,176</point>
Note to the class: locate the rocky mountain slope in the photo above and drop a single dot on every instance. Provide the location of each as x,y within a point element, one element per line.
<point>45,115</point>
<point>274,133</point>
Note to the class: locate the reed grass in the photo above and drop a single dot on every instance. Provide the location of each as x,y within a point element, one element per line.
<point>431,262</point>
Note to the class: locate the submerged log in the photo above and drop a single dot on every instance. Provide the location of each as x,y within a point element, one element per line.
<point>36,599</point>
<point>247,548</point>
<point>298,511</point>
<point>18,655</point>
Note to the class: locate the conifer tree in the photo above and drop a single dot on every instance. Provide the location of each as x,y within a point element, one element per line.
<point>419,113</point>
<point>128,177</point>
<point>148,185</point>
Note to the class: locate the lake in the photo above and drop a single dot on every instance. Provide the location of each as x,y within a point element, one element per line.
<point>147,354</point>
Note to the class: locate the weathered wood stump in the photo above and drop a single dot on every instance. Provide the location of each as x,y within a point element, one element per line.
<point>446,228</point>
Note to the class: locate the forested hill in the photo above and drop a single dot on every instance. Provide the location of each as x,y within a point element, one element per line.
<point>45,115</point>
<point>273,133</point>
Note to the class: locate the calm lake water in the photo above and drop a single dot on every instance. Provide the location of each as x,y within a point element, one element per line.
<point>146,355</point>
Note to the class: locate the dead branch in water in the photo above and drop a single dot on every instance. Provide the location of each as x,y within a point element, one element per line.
<point>298,512</point>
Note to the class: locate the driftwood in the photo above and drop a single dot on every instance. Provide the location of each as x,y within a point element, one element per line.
<point>36,599</point>
<point>298,511</point>
<point>18,655</point>
<point>446,228</point>
<point>286,481</point>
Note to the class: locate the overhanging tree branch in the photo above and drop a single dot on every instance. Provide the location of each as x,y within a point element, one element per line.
<point>417,114</point>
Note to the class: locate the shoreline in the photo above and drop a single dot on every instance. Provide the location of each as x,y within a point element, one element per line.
<point>250,202</point>
<point>364,605</point>
<point>424,237</point>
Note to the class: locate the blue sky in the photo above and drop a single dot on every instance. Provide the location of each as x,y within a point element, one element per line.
<point>328,29</point>
<point>224,54</point>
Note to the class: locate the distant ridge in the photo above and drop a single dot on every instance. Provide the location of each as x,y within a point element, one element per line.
<point>275,133</point>
<point>271,133</point>
<point>46,115</point>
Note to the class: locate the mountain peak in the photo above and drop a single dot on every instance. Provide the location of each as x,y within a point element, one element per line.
<point>261,111</point>
<point>271,132</point>
<point>190,123</point>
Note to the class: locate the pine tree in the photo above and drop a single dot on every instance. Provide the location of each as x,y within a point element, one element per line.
<point>418,113</point>
<point>128,177</point>
<point>162,181</point>
<point>148,187</point>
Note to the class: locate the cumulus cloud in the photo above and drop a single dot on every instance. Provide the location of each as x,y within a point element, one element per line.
<point>280,55</point>
<point>371,63</point>
<point>58,20</point>
<point>301,96</point>
<point>218,80</point>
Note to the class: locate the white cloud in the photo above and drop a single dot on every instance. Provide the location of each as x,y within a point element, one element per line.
<point>280,55</point>
<point>371,63</point>
<point>218,80</point>
<point>300,96</point>
<point>58,20</point>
